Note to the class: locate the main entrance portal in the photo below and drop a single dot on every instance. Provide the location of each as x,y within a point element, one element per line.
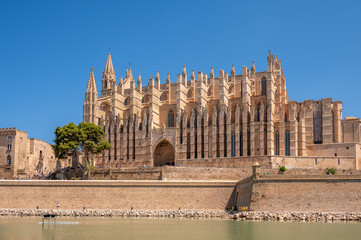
<point>163,154</point>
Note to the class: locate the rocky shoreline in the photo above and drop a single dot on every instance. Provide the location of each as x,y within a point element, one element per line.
<point>191,214</point>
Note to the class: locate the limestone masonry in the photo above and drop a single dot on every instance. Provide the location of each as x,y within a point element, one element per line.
<point>228,121</point>
<point>22,156</point>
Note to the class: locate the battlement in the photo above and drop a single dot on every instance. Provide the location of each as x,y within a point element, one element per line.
<point>7,131</point>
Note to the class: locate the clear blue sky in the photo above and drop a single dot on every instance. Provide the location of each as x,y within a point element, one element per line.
<point>48,47</point>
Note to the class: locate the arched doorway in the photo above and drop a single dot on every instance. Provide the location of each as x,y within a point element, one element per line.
<point>163,154</point>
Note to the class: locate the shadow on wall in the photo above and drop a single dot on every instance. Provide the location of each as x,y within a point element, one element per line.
<point>242,194</point>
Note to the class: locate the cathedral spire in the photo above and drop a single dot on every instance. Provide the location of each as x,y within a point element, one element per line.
<point>109,65</point>
<point>108,80</point>
<point>91,98</point>
<point>91,87</point>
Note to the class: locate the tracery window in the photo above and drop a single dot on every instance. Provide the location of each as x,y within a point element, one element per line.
<point>188,146</point>
<point>287,143</point>
<point>317,126</point>
<point>171,118</point>
<point>164,96</point>
<point>233,143</point>
<point>277,140</point>
<point>263,86</point>
<point>258,112</point>
<point>241,143</point>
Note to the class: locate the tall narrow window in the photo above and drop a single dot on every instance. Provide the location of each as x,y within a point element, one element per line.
<point>248,143</point>
<point>9,160</point>
<point>225,137</point>
<point>146,129</point>
<point>277,142</point>
<point>195,136</point>
<point>241,143</point>
<point>181,131</point>
<point>128,140</point>
<point>171,118</point>
<point>317,125</point>
<point>258,112</point>
<point>188,146</point>
<point>233,144</point>
<point>264,86</point>
<point>133,143</point>
<point>218,137</point>
<point>195,143</point>
<point>202,138</point>
<point>287,143</point>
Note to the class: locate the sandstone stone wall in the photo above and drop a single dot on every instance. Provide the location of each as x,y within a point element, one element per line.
<point>205,173</point>
<point>129,174</point>
<point>340,163</point>
<point>244,162</point>
<point>302,193</point>
<point>171,195</point>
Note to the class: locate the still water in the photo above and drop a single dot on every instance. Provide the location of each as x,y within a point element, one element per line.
<point>161,229</point>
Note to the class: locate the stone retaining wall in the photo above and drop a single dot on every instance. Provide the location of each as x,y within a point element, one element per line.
<point>171,195</point>
<point>321,193</point>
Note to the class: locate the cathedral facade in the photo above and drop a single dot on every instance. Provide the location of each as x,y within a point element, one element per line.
<point>231,120</point>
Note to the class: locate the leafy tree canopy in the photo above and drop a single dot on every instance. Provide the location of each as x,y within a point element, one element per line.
<point>85,137</point>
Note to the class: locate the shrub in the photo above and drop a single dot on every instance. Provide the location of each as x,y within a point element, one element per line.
<point>282,168</point>
<point>330,171</point>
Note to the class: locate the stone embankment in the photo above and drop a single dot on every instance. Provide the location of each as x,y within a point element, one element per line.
<point>248,215</point>
<point>297,216</point>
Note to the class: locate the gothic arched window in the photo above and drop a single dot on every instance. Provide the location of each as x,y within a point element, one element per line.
<point>258,117</point>
<point>145,99</point>
<point>287,143</point>
<point>233,144</point>
<point>241,143</point>
<point>263,86</point>
<point>190,94</point>
<point>188,146</point>
<point>164,96</point>
<point>210,92</point>
<point>277,142</point>
<point>171,118</point>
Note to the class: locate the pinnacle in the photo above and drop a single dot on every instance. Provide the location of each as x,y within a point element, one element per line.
<point>184,69</point>
<point>109,65</point>
<point>157,75</point>
<point>212,72</point>
<point>91,87</point>
<point>168,78</point>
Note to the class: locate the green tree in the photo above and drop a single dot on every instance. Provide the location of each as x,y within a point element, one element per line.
<point>86,138</point>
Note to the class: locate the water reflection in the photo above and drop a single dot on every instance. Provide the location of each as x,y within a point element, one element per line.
<point>161,229</point>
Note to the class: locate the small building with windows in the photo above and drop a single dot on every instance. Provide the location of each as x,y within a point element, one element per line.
<point>229,120</point>
<point>21,156</point>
